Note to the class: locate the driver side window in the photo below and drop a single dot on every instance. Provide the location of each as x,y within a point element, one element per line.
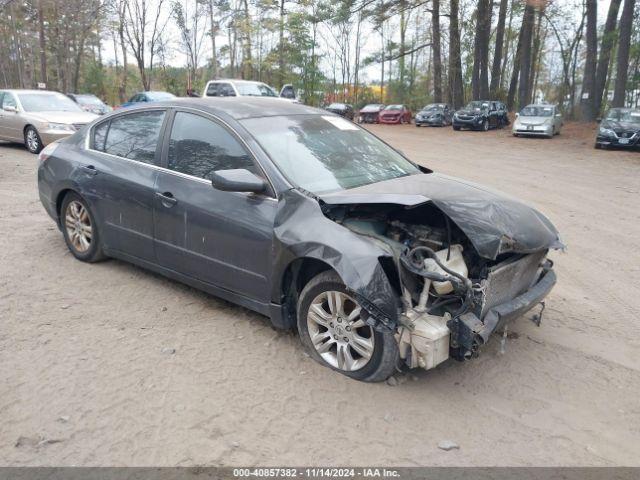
<point>198,146</point>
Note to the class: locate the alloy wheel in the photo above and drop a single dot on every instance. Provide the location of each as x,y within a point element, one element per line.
<point>338,333</point>
<point>33,142</point>
<point>78,225</point>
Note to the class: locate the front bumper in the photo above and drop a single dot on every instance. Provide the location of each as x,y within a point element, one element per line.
<point>468,332</point>
<point>533,130</point>
<point>369,118</point>
<point>474,123</point>
<point>389,120</point>
<point>50,136</point>
<point>631,142</point>
<point>431,123</point>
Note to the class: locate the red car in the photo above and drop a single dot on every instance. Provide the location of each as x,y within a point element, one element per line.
<point>395,114</point>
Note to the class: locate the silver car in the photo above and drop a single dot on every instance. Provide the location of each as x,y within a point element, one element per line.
<point>39,117</point>
<point>539,120</point>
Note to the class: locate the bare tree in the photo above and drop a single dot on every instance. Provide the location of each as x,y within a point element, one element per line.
<point>437,56</point>
<point>455,60</point>
<point>497,56</point>
<point>608,42</point>
<point>587,104</point>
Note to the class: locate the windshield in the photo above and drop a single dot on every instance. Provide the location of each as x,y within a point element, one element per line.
<point>47,102</point>
<point>629,116</point>
<point>325,153</point>
<point>393,107</point>
<point>434,107</point>
<point>337,106</point>
<point>535,111</point>
<point>255,90</point>
<point>160,96</point>
<point>477,105</point>
<point>88,100</point>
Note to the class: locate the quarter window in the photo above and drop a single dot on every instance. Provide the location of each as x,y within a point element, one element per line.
<point>100,135</point>
<point>133,136</point>
<point>199,146</point>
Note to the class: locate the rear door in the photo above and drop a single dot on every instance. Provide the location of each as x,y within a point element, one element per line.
<point>119,176</point>
<point>221,238</point>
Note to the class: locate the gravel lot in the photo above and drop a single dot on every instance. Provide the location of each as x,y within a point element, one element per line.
<point>107,364</point>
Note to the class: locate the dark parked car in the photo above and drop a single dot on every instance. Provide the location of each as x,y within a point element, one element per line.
<point>395,114</point>
<point>90,103</point>
<point>481,115</point>
<point>369,113</point>
<point>148,97</point>
<point>434,115</point>
<point>620,127</point>
<point>343,109</point>
<point>304,217</point>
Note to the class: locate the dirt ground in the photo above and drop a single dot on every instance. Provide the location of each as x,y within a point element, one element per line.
<point>107,364</point>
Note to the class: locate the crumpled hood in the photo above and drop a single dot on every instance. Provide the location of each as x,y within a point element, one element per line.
<point>494,223</point>
<point>369,109</point>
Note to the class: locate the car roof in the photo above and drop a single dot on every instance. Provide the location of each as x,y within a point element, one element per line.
<point>234,80</point>
<point>240,108</point>
<point>25,90</point>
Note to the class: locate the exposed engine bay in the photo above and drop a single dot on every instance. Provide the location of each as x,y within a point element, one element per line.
<point>447,289</point>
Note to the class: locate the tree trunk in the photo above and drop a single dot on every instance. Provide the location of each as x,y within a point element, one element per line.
<point>437,57</point>
<point>281,47</point>
<point>587,103</point>
<point>524,87</point>
<point>213,32</point>
<point>480,79</point>
<point>455,61</point>
<point>515,72</point>
<point>622,68</point>
<point>606,46</point>
<point>247,67</point>
<point>497,56</point>
<point>536,54</point>
<point>42,42</point>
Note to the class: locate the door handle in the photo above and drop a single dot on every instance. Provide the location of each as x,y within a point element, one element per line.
<point>89,170</point>
<point>167,199</point>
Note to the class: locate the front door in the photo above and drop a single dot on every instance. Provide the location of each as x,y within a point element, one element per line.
<point>221,238</point>
<point>10,121</point>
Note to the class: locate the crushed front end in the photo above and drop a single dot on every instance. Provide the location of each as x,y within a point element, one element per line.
<point>457,283</point>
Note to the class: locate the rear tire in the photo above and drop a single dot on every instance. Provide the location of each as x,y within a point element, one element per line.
<point>328,313</point>
<point>80,229</point>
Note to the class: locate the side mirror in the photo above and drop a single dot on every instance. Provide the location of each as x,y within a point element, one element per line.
<point>517,114</point>
<point>10,108</point>
<point>237,180</point>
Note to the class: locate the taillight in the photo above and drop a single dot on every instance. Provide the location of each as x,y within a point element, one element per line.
<point>47,152</point>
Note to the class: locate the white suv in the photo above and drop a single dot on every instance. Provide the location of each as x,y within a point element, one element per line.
<point>237,88</point>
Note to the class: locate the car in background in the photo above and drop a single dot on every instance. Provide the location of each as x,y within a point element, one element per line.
<point>620,127</point>
<point>90,103</point>
<point>434,115</point>
<point>148,97</point>
<point>369,113</point>
<point>480,115</point>
<point>343,109</point>
<point>39,117</point>
<point>538,120</point>
<point>237,88</point>
<point>395,114</point>
<point>289,92</point>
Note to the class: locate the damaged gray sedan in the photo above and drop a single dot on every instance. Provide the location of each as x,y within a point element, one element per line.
<point>302,216</point>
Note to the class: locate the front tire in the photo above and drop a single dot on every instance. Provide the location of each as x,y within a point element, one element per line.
<point>334,333</point>
<point>32,140</point>
<point>80,229</point>
<point>485,126</point>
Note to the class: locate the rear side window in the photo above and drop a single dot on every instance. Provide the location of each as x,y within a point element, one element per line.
<point>199,146</point>
<point>100,135</point>
<point>8,100</point>
<point>212,90</point>
<point>133,136</point>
